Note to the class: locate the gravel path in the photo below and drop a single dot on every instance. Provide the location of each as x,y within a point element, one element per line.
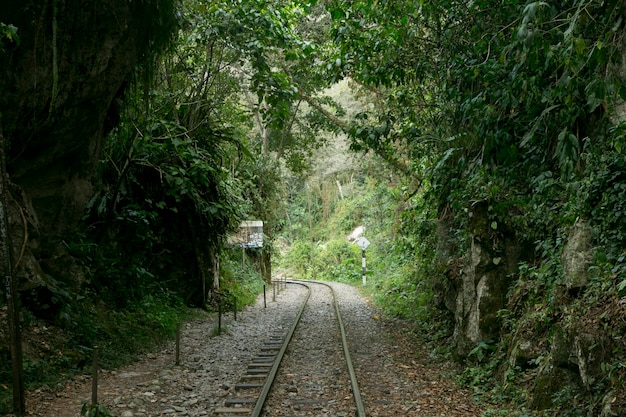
<point>397,377</point>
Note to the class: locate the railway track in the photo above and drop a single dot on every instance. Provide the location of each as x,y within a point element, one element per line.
<point>304,371</point>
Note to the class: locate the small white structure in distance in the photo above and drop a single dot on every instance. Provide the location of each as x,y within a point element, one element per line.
<point>356,233</point>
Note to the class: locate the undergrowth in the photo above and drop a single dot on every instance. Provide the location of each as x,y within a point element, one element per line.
<point>240,282</point>
<point>55,351</point>
<point>58,349</point>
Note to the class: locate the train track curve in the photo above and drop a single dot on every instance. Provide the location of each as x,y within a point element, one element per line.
<point>282,380</point>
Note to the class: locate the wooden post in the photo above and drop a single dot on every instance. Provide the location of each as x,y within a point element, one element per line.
<point>19,403</point>
<point>177,344</point>
<point>94,380</point>
<point>216,271</point>
<point>204,293</point>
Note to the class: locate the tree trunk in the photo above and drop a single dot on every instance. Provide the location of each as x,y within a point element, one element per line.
<point>308,201</point>
<point>10,288</point>
<point>216,271</point>
<point>266,265</point>
<point>199,261</point>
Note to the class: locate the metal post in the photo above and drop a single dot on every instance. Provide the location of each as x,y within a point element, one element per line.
<point>364,267</point>
<point>177,344</point>
<point>235,308</point>
<point>19,403</point>
<point>94,381</point>
<point>264,297</point>
<point>274,291</point>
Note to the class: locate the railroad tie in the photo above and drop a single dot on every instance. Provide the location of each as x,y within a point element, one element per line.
<point>233,411</point>
<point>247,385</point>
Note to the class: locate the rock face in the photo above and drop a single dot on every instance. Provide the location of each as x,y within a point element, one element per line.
<point>564,352</point>
<point>61,89</point>
<point>576,256</point>
<point>481,285</point>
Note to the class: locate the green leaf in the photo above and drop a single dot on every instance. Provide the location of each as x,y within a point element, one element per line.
<point>8,32</point>
<point>579,46</point>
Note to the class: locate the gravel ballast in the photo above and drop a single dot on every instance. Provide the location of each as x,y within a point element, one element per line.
<point>396,376</point>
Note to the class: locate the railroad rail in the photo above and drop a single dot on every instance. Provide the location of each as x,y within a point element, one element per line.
<point>263,370</point>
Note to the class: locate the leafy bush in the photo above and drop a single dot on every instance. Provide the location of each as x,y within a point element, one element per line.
<point>297,258</point>
<point>94,410</point>
<point>338,260</point>
<point>122,334</point>
<point>240,282</point>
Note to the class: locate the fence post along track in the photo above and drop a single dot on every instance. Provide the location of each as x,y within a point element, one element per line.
<point>277,357</point>
<point>221,297</point>
<point>94,379</point>
<point>177,361</point>
<point>219,317</point>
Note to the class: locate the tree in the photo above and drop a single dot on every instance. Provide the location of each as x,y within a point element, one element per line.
<point>507,116</point>
<point>186,164</point>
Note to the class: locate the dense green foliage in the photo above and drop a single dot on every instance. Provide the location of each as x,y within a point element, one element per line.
<point>398,263</point>
<point>511,110</point>
<point>181,168</point>
<point>180,172</point>
<point>493,121</point>
<point>504,121</point>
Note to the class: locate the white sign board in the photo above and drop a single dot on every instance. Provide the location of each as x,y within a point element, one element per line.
<point>362,243</point>
<point>250,235</point>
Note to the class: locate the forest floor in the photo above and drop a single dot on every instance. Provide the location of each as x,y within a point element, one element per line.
<point>211,365</point>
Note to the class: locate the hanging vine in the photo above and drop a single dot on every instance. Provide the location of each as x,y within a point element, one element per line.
<point>55,62</point>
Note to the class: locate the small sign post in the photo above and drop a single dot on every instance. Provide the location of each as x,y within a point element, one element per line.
<point>363,243</point>
<point>249,235</point>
